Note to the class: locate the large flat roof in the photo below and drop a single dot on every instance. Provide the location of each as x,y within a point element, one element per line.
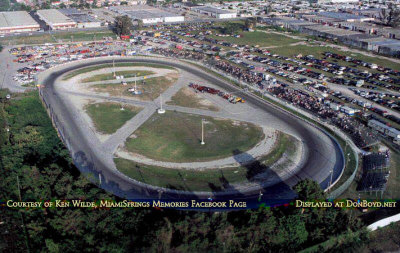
<point>213,9</point>
<point>54,16</point>
<point>16,19</point>
<point>340,15</point>
<point>144,14</point>
<point>78,16</point>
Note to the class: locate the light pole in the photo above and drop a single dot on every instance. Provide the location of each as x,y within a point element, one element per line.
<point>202,132</point>
<point>114,67</point>
<point>161,110</point>
<point>330,181</point>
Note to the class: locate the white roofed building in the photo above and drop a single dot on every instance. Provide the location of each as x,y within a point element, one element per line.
<point>56,20</point>
<point>17,21</point>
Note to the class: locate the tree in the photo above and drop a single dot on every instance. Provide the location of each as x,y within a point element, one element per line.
<point>250,23</point>
<point>267,9</point>
<point>390,16</point>
<point>123,25</point>
<point>139,24</point>
<point>309,190</point>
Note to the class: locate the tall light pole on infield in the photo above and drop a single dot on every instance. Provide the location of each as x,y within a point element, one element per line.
<point>161,110</point>
<point>114,68</point>
<point>202,132</point>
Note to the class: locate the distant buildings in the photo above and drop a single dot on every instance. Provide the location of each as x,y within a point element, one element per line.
<point>214,12</point>
<point>357,34</point>
<point>336,1</point>
<point>17,21</point>
<point>148,15</point>
<point>83,20</point>
<point>56,20</point>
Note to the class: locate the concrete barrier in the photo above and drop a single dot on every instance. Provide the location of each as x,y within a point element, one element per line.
<point>384,222</point>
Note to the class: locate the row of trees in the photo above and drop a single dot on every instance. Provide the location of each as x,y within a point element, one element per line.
<point>390,16</point>
<point>35,165</point>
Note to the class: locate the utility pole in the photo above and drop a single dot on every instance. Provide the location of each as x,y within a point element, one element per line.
<point>114,67</point>
<point>161,110</point>
<point>202,132</point>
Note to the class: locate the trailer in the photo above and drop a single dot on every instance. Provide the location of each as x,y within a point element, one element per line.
<point>204,89</point>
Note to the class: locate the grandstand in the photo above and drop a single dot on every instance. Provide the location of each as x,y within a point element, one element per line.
<point>376,161</point>
<point>373,182</point>
<point>374,174</point>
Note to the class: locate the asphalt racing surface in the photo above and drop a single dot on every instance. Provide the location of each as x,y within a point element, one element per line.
<point>101,170</point>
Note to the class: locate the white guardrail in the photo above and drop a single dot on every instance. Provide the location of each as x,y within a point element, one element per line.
<point>384,222</point>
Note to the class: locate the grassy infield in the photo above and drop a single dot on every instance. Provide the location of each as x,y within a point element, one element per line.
<point>176,137</point>
<point>108,117</point>
<point>186,97</point>
<point>110,76</point>
<point>110,65</point>
<point>206,180</point>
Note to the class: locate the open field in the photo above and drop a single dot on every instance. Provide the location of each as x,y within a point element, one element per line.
<point>56,37</point>
<point>152,88</point>
<point>176,137</point>
<point>108,117</point>
<point>84,35</point>
<point>103,66</point>
<point>258,38</point>
<point>205,180</point>
<point>110,76</point>
<point>187,97</point>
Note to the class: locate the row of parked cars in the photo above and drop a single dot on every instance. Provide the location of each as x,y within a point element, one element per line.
<point>39,58</point>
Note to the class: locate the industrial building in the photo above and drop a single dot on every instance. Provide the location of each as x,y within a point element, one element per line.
<point>56,20</point>
<point>214,12</point>
<point>83,20</point>
<point>148,15</point>
<point>17,21</point>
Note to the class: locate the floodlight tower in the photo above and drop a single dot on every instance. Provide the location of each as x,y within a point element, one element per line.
<point>114,67</point>
<point>202,132</point>
<point>161,110</point>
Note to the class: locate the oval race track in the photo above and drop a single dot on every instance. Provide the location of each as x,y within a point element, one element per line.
<point>323,150</point>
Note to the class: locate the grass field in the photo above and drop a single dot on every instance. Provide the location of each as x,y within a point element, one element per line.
<point>84,35</point>
<point>152,88</point>
<point>110,76</point>
<point>108,117</point>
<point>258,38</point>
<point>186,97</point>
<point>176,137</point>
<point>57,37</point>
<point>204,180</point>
<point>120,64</point>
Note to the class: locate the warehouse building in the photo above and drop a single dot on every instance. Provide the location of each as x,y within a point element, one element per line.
<point>347,17</point>
<point>17,21</point>
<point>214,12</point>
<point>149,15</point>
<point>56,20</point>
<point>83,20</point>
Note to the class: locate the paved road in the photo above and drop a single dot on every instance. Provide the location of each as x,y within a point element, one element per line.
<point>321,152</point>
